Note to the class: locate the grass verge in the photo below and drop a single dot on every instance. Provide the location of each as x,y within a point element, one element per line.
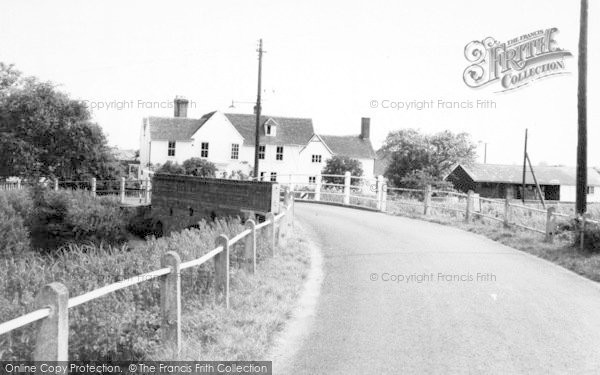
<point>561,251</point>
<point>260,306</point>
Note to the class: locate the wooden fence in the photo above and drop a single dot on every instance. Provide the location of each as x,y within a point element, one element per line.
<point>54,302</point>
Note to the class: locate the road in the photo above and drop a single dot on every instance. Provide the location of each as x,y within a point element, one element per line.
<point>522,315</point>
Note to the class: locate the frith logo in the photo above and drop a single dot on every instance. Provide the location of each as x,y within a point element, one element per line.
<point>514,63</point>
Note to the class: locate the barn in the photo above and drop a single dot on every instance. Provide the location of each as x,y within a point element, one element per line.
<point>499,181</point>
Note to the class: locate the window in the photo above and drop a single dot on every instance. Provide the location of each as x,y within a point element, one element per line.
<point>312,180</point>
<point>204,150</point>
<point>590,190</point>
<point>235,151</point>
<point>316,158</point>
<point>273,176</point>
<point>261,152</point>
<point>171,148</point>
<point>279,153</point>
<point>268,129</point>
<point>262,175</point>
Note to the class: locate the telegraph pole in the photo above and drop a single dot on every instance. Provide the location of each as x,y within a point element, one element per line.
<point>257,109</point>
<point>524,168</point>
<point>581,190</point>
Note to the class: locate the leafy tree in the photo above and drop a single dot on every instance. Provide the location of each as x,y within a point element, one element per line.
<point>419,179</point>
<point>410,151</point>
<point>339,165</point>
<point>172,168</point>
<point>45,133</point>
<point>199,167</point>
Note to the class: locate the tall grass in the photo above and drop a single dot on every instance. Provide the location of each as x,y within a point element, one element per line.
<point>123,325</point>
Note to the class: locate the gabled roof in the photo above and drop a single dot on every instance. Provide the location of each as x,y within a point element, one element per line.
<point>349,145</point>
<point>513,174</point>
<point>175,128</point>
<point>290,130</point>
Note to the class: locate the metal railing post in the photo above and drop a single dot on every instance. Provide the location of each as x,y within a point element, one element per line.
<point>469,208</point>
<point>550,224</point>
<point>250,247</point>
<point>384,197</point>
<point>52,341</point>
<point>319,183</point>
<point>506,212</point>
<point>170,301</point>
<point>93,186</point>
<point>347,178</point>
<point>222,268</point>
<point>271,233</point>
<point>427,200</point>
<point>122,190</point>
<point>379,191</point>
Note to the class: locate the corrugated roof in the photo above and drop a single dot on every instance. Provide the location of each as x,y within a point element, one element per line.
<point>290,130</point>
<point>175,128</point>
<point>350,145</point>
<point>546,175</point>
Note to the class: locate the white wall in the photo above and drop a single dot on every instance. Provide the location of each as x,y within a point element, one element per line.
<point>159,152</point>
<point>220,135</point>
<point>567,194</point>
<point>314,147</point>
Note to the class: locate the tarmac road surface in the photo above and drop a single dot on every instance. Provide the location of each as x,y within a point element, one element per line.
<point>402,296</point>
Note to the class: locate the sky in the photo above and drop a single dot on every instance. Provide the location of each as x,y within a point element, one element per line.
<point>334,62</point>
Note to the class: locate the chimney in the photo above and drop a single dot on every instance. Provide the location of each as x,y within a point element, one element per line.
<point>365,127</point>
<point>181,105</point>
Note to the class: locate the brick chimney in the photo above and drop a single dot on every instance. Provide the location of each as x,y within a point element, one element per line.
<point>181,106</point>
<point>365,127</point>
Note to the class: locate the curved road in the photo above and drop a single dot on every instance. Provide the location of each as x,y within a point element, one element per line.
<point>522,315</point>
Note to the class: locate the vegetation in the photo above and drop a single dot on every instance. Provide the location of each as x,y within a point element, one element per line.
<point>44,133</point>
<point>415,157</point>
<point>192,167</point>
<point>339,165</point>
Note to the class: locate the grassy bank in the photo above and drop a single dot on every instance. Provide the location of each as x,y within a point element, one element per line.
<point>260,306</point>
<point>561,251</point>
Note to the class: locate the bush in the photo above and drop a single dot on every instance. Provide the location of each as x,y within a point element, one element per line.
<point>591,238</point>
<point>62,217</point>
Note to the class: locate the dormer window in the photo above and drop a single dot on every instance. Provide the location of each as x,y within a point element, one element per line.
<point>271,128</point>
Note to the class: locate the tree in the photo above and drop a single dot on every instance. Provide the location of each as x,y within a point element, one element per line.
<point>339,165</point>
<point>171,167</point>
<point>44,133</point>
<point>199,167</point>
<point>410,151</point>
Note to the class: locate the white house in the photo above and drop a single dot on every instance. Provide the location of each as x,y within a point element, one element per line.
<point>287,145</point>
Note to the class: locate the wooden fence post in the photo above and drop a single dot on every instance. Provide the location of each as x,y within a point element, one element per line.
<point>52,341</point>
<point>170,301</point>
<point>222,268</point>
<point>271,233</point>
<point>19,184</point>
<point>427,200</point>
<point>347,178</point>
<point>56,185</point>
<point>93,186</point>
<point>319,183</point>
<point>550,224</point>
<point>122,190</point>
<point>506,212</point>
<point>250,247</point>
<point>469,206</point>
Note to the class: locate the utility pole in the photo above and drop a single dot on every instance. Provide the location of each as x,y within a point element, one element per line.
<point>581,190</point>
<point>524,168</point>
<point>257,109</point>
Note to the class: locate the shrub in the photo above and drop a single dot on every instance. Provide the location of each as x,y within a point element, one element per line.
<point>62,217</point>
<point>14,235</point>
<point>591,238</point>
